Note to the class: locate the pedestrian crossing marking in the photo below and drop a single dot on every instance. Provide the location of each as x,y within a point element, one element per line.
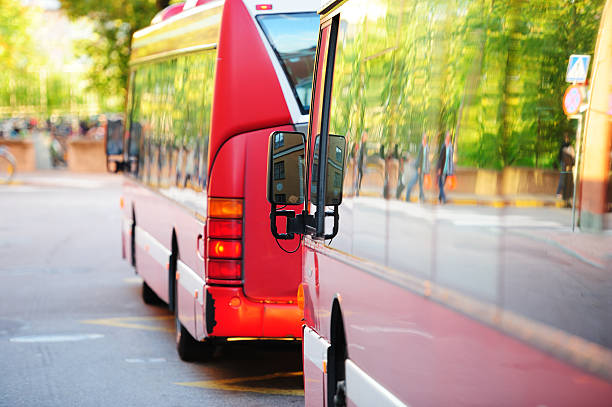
<point>577,68</point>
<point>132,323</point>
<point>238,384</point>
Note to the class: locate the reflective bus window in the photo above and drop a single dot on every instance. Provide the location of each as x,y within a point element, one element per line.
<point>170,120</point>
<point>461,162</point>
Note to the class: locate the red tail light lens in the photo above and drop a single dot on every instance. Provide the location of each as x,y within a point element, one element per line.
<point>224,269</point>
<point>224,249</point>
<point>263,7</point>
<point>225,229</point>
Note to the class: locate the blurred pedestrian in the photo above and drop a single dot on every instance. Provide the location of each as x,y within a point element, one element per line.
<point>566,161</point>
<point>361,160</point>
<point>445,165</point>
<point>421,167</point>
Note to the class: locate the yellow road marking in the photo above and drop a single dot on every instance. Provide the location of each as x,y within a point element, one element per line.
<point>234,384</point>
<point>527,203</point>
<point>132,323</point>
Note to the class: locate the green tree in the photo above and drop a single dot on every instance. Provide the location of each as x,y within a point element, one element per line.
<point>114,23</point>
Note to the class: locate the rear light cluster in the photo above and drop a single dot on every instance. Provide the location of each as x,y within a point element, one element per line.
<point>224,243</point>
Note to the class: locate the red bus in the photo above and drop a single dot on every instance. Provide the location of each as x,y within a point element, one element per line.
<point>457,242</point>
<point>208,84</point>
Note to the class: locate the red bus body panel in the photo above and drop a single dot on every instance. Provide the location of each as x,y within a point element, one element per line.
<point>430,355</point>
<point>247,93</point>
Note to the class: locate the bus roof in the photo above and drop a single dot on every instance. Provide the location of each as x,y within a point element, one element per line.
<point>190,31</point>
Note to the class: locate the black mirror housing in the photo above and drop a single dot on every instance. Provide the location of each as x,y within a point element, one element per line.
<point>286,168</point>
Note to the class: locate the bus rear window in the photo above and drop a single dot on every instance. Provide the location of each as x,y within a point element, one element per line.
<point>294,40</point>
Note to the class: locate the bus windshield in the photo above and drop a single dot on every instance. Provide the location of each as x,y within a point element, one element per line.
<point>294,39</point>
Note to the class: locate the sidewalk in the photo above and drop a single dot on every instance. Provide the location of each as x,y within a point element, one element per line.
<point>65,178</point>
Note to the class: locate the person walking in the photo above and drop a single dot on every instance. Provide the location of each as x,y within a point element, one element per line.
<point>361,160</point>
<point>421,166</point>
<point>566,159</point>
<point>445,165</point>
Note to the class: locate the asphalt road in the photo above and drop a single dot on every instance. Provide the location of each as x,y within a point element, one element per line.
<point>74,330</point>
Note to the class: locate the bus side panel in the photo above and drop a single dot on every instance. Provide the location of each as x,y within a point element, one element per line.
<point>247,92</point>
<point>269,272</point>
<point>151,243</point>
<point>427,354</point>
<point>227,173</point>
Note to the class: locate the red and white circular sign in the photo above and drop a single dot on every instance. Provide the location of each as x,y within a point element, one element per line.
<point>572,100</point>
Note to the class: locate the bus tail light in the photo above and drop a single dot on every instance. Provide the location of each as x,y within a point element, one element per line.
<point>263,7</point>
<point>224,240</point>
<point>224,269</point>
<point>225,208</point>
<point>225,228</point>
<point>224,249</point>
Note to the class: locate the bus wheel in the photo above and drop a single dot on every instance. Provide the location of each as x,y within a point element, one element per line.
<point>190,350</point>
<point>337,356</point>
<point>148,295</point>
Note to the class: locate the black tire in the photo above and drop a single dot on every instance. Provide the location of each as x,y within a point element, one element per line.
<point>148,295</point>
<point>337,356</point>
<point>190,350</point>
<point>172,284</point>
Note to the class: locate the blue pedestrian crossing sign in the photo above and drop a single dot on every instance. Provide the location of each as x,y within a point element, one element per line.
<point>577,68</point>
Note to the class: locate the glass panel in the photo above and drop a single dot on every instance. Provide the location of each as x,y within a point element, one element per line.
<point>170,124</point>
<point>287,164</point>
<point>461,162</point>
<point>293,38</point>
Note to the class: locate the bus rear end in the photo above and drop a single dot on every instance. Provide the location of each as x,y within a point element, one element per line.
<point>263,84</point>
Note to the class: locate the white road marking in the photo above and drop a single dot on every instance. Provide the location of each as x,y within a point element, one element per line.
<point>55,338</point>
<point>149,360</point>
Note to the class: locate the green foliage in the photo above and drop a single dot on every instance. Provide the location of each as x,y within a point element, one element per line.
<point>114,23</point>
<point>17,56</point>
<point>491,72</point>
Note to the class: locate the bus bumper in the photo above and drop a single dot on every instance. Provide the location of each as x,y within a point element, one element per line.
<point>229,313</point>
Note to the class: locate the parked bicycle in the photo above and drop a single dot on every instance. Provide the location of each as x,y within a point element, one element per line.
<point>7,165</point>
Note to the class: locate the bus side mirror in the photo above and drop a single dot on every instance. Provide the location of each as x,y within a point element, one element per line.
<point>113,143</point>
<point>286,168</point>
<point>336,148</point>
<point>334,180</point>
<point>285,184</point>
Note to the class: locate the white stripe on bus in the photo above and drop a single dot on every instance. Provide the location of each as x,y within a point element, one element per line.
<point>152,246</point>
<point>315,348</point>
<point>364,391</point>
<point>190,280</point>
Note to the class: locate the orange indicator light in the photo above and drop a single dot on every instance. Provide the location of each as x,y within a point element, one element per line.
<point>235,302</point>
<point>263,7</point>
<point>121,203</point>
<point>225,208</point>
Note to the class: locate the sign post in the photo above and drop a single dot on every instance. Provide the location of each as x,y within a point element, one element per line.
<point>573,105</point>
